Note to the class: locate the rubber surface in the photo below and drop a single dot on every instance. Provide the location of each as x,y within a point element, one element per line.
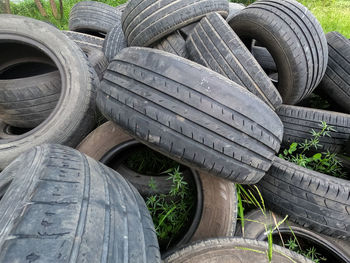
<point>85,40</point>
<point>93,17</point>
<point>311,199</point>
<point>299,122</point>
<point>114,42</point>
<point>215,45</point>
<point>65,207</point>
<point>73,116</point>
<point>295,40</point>
<point>233,250</point>
<point>234,9</point>
<point>145,22</point>
<point>174,44</point>
<point>336,82</point>
<point>209,123</point>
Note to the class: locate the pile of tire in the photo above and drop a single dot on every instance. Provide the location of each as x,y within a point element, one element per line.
<point>213,85</point>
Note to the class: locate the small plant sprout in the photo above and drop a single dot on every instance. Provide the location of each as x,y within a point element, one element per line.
<point>325,162</point>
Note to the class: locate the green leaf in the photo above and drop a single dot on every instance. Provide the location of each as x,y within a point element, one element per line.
<point>317,156</point>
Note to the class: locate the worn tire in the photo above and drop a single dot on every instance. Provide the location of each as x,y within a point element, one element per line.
<point>93,17</point>
<point>336,81</point>
<point>114,42</point>
<point>298,123</point>
<point>234,9</point>
<point>219,200</point>
<point>232,250</point>
<point>145,22</point>
<point>174,44</point>
<point>264,58</point>
<point>311,199</point>
<point>26,102</point>
<point>215,45</point>
<point>256,221</point>
<point>96,59</point>
<point>164,106</point>
<point>295,40</point>
<point>64,206</point>
<point>85,40</point>
<point>73,117</point>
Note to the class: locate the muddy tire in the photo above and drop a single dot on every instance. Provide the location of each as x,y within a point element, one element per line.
<point>145,22</point>
<point>228,250</point>
<point>172,122</point>
<point>58,192</point>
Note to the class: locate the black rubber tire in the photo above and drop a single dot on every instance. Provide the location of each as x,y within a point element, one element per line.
<point>96,59</point>
<point>264,58</point>
<point>64,206</point>
<point>174,43</point>
<point>256,221</point>
<point>233,250</point>
<point>145,22</point>
<point>114,42</point>
<point>85,40</point>
<point>190,114</point>
<point>311,199</point>
<point>234,9</point>
<point>215,45</point>
<point>93,17</point>
<point>26,102</point>
<point>295,40</point>
<point>73,116</point>
<point>336,81</point>
<point>121,7</point>
<point>298,123</point>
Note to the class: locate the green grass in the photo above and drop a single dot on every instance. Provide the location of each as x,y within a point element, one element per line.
<point>334,15</point>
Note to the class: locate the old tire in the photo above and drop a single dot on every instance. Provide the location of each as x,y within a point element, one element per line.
<point>73,117</point>
<point>234,9</point>
<point>85,40</point>
<point>293,37</point>
<point>218,197</point>
<point>255,223</point>
<point>264,58</point>
<point>215,45</point>
<point>143,102</point>
<point>145,22</point>
<point>92,17</point>
<point>232,250</point>
<point>174,43</point>
<point>114,42</point>
<point>64,206</point>
<point>336,81</point>
<point>26,102</point>
<point>311,199</point>
<point>298,123</point>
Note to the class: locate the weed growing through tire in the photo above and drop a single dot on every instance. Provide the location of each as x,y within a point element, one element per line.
<point>325,162</point>
<point>310,253</point>
<point>170,212</point>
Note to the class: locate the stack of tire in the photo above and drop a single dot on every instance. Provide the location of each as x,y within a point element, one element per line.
<point>209,84</point>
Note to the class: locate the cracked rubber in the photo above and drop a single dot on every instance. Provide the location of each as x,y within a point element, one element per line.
<point>298,123</point>
<point>336,81</point>
<point>215,45</point>
<point>93,17</point>
<point>295,40</point>
<point>190,114</point>
<point>67,207</point>
<point>74,115</point>
<point>314,200</point>
<point>174,44</point>
<point>254,228</point>
<point>145,22</point>
<point>232,250</point>
<point>114,42</point>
